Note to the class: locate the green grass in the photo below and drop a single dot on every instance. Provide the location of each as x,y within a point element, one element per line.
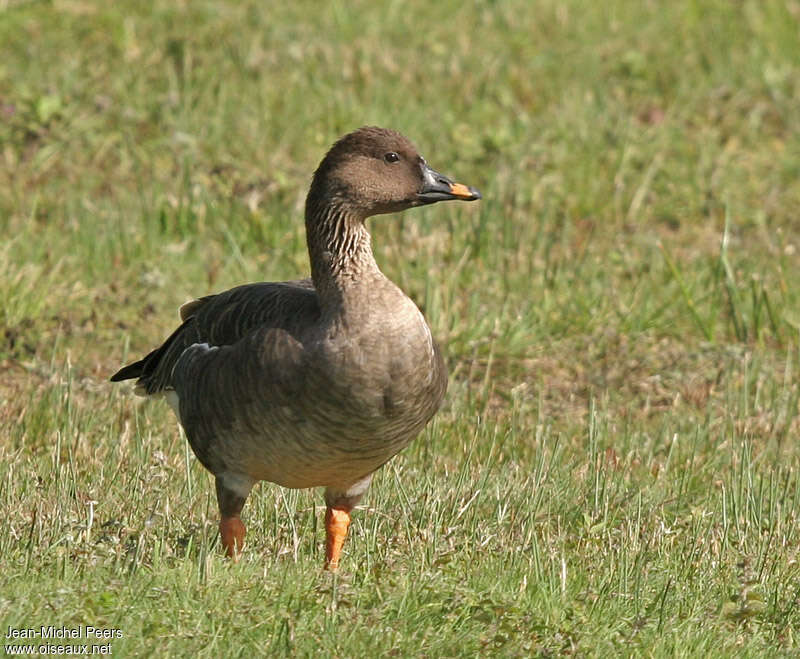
<point>617,467</point>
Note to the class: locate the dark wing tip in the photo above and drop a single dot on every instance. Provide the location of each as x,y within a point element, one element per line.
<point>128,372</point>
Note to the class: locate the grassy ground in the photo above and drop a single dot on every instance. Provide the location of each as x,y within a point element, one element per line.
<point>616,467</point>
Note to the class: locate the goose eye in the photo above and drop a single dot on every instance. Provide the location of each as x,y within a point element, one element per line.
<point>391,157</point>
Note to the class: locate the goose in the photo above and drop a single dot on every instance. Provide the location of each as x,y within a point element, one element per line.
<point>315,382</point>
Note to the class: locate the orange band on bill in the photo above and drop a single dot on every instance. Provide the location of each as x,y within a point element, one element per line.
<point>460,190</point>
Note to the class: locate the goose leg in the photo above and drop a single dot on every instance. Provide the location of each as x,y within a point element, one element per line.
<point>231,527</point>
<point>337,521</point>
<point>337,518</point>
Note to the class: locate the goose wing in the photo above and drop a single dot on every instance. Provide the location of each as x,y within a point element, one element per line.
<point>216,321</point>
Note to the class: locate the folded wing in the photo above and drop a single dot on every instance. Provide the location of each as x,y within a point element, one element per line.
<point>225,320</point>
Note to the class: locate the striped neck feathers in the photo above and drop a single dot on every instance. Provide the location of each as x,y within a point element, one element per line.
<point>339,247</point>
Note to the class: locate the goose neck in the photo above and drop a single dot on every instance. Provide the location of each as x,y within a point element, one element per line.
<point>340,250</point>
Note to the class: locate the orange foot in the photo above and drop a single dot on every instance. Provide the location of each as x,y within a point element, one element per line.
<point>337,521</point>
<point>231,530</point>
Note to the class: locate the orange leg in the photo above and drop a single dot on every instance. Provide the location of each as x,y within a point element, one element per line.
<point>231,527</point>
<point>231,530</point>
<point>337,521</point>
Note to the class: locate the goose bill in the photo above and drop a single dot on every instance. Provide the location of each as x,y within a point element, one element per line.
<point>438,187</point>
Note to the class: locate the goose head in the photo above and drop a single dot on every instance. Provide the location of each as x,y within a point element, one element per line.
<point>374,170</point>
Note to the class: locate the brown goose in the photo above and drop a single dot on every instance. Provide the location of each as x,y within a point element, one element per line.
<point>315,382</point>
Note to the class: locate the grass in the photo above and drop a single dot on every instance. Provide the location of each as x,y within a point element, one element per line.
<point>616,467</point>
